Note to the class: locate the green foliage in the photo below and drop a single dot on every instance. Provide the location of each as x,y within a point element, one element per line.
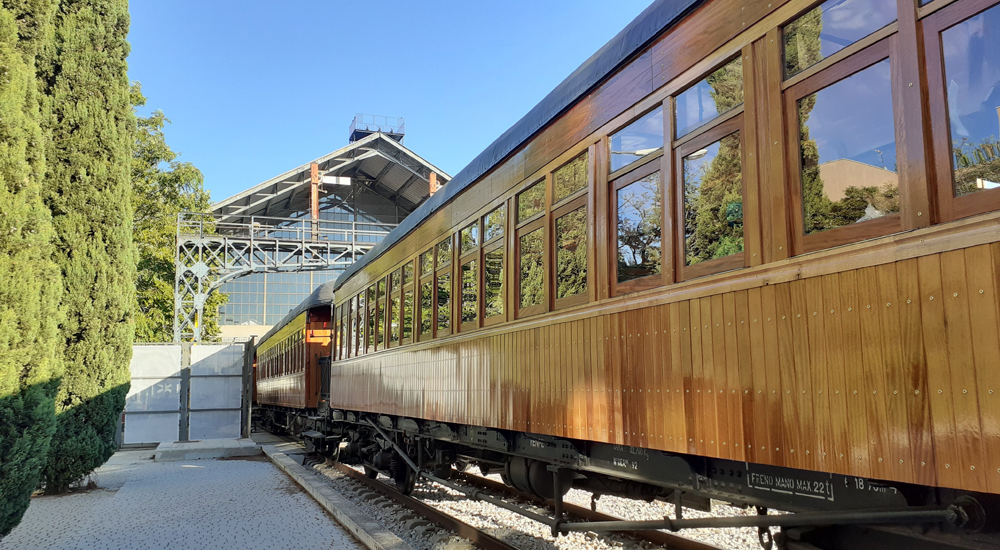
<point>801,40</point>
<point>640,215</point>
<point>532,268</point>
<point>162,187</point>
<point>30,288</point>
<point>89,191</point>
<point>571,254</point>
<point>711,229</point>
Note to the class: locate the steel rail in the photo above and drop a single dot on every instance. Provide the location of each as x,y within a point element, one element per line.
<point>657,537</point>
<point>479,538</point>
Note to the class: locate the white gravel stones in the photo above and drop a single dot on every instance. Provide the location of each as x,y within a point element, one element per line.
<point>530,535</point>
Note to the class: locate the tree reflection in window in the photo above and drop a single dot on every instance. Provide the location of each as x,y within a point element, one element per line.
<point>426,263</point>
<point>470,292</point>
<point>359,337</point>
<point>531,201</point>
<point>426,307</point>
<point>714,95</point>
<point>640,219</point>
<point>408,315</point>
<point>469,238</point>
<point>444,301</point>
<point>444,253</point>
<point>493,225</point>
<point>847,147</point>
<point>972,67</point>
<point>372,318</point>
<point>493,275</point>
<point>571,254</point>
<point>571,178</point>
<point>532,270</point>
<point>713,201</point>
<point>831,27</point>
<point>394,329</point>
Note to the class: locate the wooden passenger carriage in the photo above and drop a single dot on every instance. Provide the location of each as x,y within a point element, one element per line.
<point>790,299</point>
<point>870,349</point>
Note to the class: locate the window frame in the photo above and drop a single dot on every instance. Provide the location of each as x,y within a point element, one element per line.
<point>571,204</point>
<point>489,248</point>
<point>624,179</point>
<point>534,224</point>
<point>831,74</point>
<point>440,270</point>
<point>949,207</point>
<point>722,127</point>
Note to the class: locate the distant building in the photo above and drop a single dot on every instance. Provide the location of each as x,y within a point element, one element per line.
<point>838,175</point>
<point>367,187</point>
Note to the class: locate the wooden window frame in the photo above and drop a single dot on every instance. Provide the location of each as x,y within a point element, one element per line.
<point>536,223</point>
<point>484,250</point>
<point>624,179</point>
<point>949,207</point>
<point>572,203</point>
<point>439,270</point>
<point>723,127</point>
<point>834,73</point>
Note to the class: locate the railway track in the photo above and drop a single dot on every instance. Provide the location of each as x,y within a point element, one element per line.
<point>486,541</point>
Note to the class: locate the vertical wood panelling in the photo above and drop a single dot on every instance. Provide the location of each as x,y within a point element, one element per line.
<point>833,310</point>
<point>981,275</point>
<point>750,344</point>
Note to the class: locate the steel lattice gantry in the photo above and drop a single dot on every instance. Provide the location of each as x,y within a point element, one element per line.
<point>210,252</point>
<point>278,226</point>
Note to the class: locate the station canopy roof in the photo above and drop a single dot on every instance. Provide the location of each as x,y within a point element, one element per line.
<point>378,162</point>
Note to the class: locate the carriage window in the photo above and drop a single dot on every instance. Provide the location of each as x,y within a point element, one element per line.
<point>444,253</point>
<point>443,302</point>
<point>407,273</point>
<point>470,293</point>
<point>469,238</point>
<point>831,27</point>
<point>640,219</point>
<point>408,315</point>
<point>493,281</point>
<point>532,268</point>
<point>426,263</point>
<point>372,321</point>
<point>570,178</point>
<point>571,253</point>
<point>847,148</point>
<point>426,307</point>
<point>531,201</point>
<point>493,224</point>
<point>712,96</point>
<point>972,69</point>
<point>637,140</point>
<point>394,328</point>
<point>359,324</point>
<point>713,201</point>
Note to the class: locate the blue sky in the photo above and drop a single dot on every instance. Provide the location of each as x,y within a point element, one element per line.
<point>254,88</point>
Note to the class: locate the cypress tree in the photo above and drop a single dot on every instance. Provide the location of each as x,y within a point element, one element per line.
<point>30,287</point>
<point>89,194</point>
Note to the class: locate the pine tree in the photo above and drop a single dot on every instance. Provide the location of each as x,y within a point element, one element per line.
<point>89,192</point>
<point>30,286</point>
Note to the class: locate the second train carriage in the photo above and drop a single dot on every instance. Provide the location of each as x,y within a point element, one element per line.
<point>758,261</point>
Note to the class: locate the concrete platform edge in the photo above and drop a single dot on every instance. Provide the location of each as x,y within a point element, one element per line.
<point>361,525</point>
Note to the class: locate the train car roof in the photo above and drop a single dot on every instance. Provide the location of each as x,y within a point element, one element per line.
<point>322,296</point>
<point>638,34</point>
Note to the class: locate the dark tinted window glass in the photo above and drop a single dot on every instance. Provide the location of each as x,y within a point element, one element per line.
<point>972,66</point>
<point>493,274</point>
<point>381,289</point>
<point>713,201</point>
<point>848,150</point>
<point>640,219</point>
<point>532,289</point>
<point>570,178</point>
<point>531,201</point>
<point>470,292</point>
<point>408,315</point>
<point>641,138</point>
<point>444,253</point>
<point>469,238</point>
<point>426,307</point>
<point>444,301</point>
<point>831,27</point>
<point>571,253</point>
<point>706,100</point>
<point>493,225</point>
<point>426,263</point>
